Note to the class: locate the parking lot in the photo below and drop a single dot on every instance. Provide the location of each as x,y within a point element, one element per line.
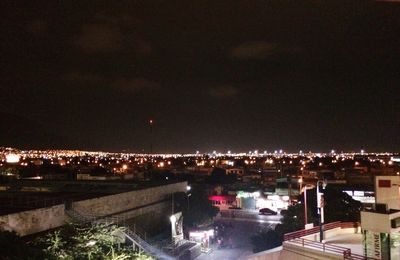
<point>240,226</point>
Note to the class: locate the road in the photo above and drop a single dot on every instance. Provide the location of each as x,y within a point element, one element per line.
<point>245,224</point>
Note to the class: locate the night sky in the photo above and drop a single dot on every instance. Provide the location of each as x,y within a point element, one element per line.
<point>214,75</point>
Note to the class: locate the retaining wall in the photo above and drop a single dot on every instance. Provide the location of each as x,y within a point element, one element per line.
<point>34,221</point>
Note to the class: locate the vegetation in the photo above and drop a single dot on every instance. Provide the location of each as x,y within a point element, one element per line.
<point>87,242</point>
<point>219,176</point>
<point>196,207</point>
<point>92,242</point>
<point>340,206</point>
<point>293,219</point>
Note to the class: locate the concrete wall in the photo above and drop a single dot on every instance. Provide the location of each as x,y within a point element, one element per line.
<point>33,221</point>
<point>118,203</point>
<point>388,195</point>
<point>147,209</point>
<point>155,203</point>
<point>378,222</point>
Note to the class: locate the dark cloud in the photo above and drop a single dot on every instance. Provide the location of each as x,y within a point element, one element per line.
<point>37,27</point>
<point>209,72</point>
<point>133,85</point>
<point>111,33</point>
<point>82,77</point>
<point>224,91</point>
<point>254,50</point>
<point>95,38</point>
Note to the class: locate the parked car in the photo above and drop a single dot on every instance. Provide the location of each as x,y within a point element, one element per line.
<point>267,211</point>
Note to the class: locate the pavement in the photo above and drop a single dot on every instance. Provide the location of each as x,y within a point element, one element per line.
<point>245,224</point>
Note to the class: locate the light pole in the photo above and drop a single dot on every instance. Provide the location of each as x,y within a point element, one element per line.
<point>320,207</point>
<point>188,201</point>
<point>188,188</point>
<point>300,184</point>
<point>151,135</point>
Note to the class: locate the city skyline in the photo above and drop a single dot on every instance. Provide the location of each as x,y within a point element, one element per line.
<point>267,75</point>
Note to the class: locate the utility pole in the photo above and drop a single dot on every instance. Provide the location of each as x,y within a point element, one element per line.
<point>151,135</point>
<point>172,204</point>
<point>320,206</point>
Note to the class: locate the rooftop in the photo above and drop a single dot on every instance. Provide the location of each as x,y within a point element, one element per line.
<point>342,240</point>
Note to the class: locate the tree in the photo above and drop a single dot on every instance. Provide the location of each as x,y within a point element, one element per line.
<point>87,242</point>
<point>293,219</point>
<point>219,176</point>
<point>12,247</point>
<point>196,208</point>
<point>340,206</point>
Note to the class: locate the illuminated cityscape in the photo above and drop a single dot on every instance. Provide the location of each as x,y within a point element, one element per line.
<point>207,130</point>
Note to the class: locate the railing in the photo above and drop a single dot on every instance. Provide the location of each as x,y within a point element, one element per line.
<point>329,248</point>
<point>320,246</point>
<point>315,230</point>
<point>129,234</point>
<point>296,238</point>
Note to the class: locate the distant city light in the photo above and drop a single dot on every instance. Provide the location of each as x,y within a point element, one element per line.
<point>12,158</point>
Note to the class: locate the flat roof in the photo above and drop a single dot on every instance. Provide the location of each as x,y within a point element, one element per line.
<point>352,241</point>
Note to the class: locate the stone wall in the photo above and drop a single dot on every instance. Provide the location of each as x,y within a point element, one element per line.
<point>150,208</point>
<point>34,221</point>
<point>140,201</point>
<point>146,209</point>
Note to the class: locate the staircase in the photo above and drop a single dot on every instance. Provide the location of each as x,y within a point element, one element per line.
<point>129,234</point>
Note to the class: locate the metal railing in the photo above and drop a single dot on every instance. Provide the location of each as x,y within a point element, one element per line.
<point>132,236</point>
<point>314,230</point>
<point>296,238</point>
<point>329,248</point>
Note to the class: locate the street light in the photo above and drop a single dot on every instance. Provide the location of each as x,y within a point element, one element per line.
<point>320,206</point>
<point>300,184</point>
<point>188,188</point>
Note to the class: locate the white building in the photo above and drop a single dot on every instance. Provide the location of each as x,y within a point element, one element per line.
<point>378,236</point>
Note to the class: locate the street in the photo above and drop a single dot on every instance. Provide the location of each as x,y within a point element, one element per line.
<point>244,225</point>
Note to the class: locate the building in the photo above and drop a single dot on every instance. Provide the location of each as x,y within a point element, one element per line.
<point>381,225</point>
<point>224,202</point>
<point>377,237</point>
